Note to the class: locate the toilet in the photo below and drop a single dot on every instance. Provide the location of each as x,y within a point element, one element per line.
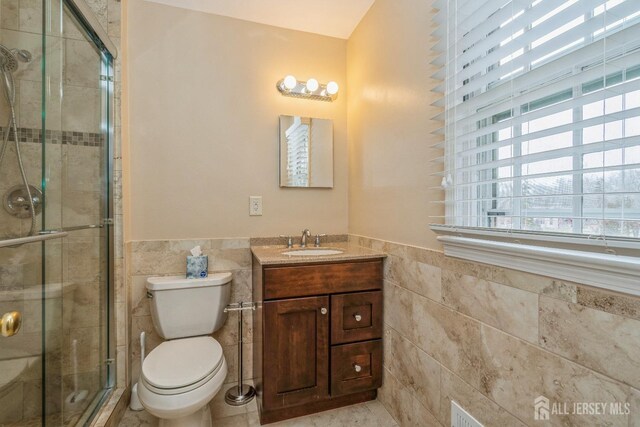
<point>180,376</point>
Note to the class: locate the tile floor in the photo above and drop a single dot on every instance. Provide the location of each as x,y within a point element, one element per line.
<point>368,414</point>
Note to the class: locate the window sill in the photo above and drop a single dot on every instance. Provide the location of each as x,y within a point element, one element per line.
<point>619,273</point>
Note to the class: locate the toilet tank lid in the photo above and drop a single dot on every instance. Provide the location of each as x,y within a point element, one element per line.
<point>165,283</point>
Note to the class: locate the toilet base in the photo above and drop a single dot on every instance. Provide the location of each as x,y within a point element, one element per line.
<point>200,418</point>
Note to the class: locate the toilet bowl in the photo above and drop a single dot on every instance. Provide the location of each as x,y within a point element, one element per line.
<point>180,376</point>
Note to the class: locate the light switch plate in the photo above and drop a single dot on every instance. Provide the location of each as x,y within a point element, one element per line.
<point>255,205</point>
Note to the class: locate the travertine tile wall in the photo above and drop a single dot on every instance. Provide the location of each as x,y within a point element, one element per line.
<point>168,257</point>
<point>494,339</point>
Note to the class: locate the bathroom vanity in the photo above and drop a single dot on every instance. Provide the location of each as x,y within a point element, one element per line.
<point>317,330</point>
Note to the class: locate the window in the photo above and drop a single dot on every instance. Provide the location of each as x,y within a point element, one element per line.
<point>542,115</point>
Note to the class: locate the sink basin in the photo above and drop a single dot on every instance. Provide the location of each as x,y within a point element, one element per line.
<point>312,252</point>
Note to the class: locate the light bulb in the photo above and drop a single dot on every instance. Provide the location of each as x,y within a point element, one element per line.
<point>312,85</point>
<point>332,88</point>
<point>290,82</point>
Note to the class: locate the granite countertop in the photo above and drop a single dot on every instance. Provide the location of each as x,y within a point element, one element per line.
<point>270,255</point>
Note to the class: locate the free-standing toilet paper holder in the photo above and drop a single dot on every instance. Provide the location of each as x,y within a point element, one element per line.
<point>240,394</point>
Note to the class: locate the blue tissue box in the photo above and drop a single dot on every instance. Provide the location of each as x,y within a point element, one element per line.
<point>197,267</point>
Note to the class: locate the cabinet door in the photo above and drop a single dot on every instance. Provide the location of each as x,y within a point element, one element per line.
<point>296,351</point>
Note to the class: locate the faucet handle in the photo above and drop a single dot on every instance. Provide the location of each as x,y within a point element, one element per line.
<point>318,236</point>
<point>289,240</point>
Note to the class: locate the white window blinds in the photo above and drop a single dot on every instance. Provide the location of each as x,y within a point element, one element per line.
<point>542,114</point>
<point>298,141</point>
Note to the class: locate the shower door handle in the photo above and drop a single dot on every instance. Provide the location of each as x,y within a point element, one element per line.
<point>10,323</point>
<point>31,239</point>
<point>68,229</point>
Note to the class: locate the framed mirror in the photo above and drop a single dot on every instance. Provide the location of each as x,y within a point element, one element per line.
<point>306,152</point>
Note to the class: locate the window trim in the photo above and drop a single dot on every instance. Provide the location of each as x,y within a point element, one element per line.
<point>603,264</point>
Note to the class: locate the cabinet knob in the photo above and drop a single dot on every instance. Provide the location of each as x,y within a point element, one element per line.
<point>323,310</point>
<point>357,317</point>
<point>357,367</point>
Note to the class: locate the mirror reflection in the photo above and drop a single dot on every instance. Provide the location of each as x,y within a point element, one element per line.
<point>306,152</point>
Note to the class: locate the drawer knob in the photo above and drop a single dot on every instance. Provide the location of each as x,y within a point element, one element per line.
<point>357,367</point>
<point>357,317</point>
<point>323,310</point>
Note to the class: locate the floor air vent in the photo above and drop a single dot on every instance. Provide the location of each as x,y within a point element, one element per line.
<point>461,418</point>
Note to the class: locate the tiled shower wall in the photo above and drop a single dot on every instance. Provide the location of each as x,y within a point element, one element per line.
<point>168,257</point>
<point>495,339</point>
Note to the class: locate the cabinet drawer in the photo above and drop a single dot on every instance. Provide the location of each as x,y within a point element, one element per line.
<point>356,367</point>
<point>356,317</point>
<point>321,279</point>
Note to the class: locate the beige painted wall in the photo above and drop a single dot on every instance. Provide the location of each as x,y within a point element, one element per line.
<point>389,108</point>
<point>198,151</point>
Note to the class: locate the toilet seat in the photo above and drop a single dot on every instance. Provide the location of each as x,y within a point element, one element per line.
<point>182,365</point>
<point>169,407</point>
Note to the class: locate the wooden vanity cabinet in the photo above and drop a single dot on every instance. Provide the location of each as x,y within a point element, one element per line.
<point>317,336</point>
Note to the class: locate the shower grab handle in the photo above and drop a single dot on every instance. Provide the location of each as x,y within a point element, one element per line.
<point>32,239</point>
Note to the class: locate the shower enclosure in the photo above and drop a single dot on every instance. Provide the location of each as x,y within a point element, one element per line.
<point>56,233</point>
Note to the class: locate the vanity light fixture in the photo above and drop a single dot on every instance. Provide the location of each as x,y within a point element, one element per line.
<point>311,89</point>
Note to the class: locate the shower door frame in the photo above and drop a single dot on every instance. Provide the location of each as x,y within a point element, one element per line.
<point>109,53</point>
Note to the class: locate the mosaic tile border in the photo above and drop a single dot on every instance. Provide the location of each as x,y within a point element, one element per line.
<point>86,139</point>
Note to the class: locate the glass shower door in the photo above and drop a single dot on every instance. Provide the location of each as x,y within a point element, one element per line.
<point>76,167</point>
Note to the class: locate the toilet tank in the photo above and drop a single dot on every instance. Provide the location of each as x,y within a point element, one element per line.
<point>183,308</point>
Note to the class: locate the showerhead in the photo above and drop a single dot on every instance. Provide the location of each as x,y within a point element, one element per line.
<point>8,65</point>
<point>9,58</point>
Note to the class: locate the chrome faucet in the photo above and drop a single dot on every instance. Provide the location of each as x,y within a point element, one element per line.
<point>303,241</point>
